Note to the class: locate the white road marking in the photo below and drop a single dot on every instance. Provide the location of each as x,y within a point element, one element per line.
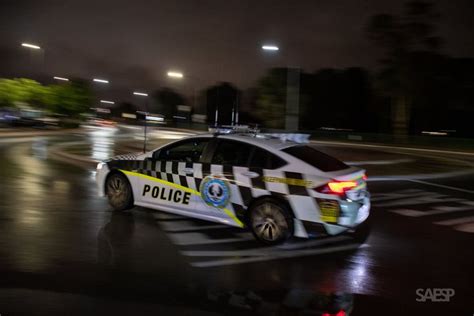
<point>312,242</point>
<point>467,228</point>
<point>378,162</point>
<point>278,255</point>
<point>411,177</point>
<point>408,212</point>
<point>188,239</point>
<point>395,147</point>
<point>435,210</point>
<point>376,197</point>
<point>426,199</point>
<point>180,226</point>
<point>263,251</point>
<point>443,186</point>
<point>456,221</point>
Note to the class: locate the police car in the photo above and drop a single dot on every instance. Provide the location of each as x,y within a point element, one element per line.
<point>277,186</point>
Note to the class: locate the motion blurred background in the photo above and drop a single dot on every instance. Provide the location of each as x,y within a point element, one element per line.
<point>376,70</point>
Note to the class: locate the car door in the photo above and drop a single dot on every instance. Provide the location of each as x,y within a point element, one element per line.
<point>220,187</point>
<point>236,176</point>
<point>169,183</point>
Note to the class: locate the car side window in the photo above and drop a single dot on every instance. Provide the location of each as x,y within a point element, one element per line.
<point>264,159</point>
<point>231,153</point>
<point>186,151</point>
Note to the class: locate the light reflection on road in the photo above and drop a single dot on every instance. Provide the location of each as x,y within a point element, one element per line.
<point>102,141</point>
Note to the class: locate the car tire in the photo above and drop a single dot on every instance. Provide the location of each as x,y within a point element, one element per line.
<point>119,192</point>
<point>362,232</point>
<point>271,221</point>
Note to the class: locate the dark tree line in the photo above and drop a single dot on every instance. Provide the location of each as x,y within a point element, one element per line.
<point>416,88</point>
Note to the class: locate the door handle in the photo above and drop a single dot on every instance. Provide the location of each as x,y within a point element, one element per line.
<point>250,174</point>
<point>188,170</point>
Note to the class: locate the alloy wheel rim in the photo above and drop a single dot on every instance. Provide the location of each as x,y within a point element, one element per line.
<point>117,190</point>
<point>269,223</point>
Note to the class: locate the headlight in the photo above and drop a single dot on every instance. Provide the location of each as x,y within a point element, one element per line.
<point>100,165</point>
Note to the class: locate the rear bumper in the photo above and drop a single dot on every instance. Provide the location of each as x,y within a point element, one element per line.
<point>351,215</point>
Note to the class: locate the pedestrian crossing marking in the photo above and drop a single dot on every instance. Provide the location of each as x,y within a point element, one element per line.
<point>467,228</point>
<point>280,255</point>
<point>188,239</point>
<point>239,246</point>
<point>416,198</point>
<point>408,212</point>
<point>456,221</point>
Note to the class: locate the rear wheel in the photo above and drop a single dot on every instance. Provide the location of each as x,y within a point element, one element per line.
<point>271,222</point>
<point>119,192</point>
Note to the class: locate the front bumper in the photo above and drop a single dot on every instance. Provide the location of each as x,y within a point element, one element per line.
<point>100,176</point>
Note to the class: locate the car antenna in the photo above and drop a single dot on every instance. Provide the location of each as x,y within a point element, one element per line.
<point>144,113</point>
<point>217,116</point>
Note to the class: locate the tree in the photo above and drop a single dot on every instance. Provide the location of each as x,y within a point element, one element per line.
<point>167,101</point>
<point>14,92</point>
<point>271,98</point>
<point>335,98</point>
<point>69,99</point>
<point>403,39</point>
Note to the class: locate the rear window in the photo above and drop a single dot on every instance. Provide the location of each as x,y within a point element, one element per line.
<point>316,158</point>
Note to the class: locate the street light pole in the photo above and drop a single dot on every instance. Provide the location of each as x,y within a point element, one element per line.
<point>145,113</point>
<point>40,52</point>
<point>293,77</point>
<point>180,75</point>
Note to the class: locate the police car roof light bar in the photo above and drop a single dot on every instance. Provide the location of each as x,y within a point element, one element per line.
<point>236,129</point>
<point>292,137</point>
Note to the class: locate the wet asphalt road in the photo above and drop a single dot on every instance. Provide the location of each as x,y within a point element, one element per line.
<point>63,250</point>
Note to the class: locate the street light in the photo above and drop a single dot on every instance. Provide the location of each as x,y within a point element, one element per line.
<point>175,74</point>
<point>107,102</point>
<point>270,47</point>
<point>100,80</point>
<point>30,46</point>
<point>140,93</point>
<point>61,78</point>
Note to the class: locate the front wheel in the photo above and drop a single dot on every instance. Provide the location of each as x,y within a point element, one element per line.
<point>271,222</point>
<point>119,192</point>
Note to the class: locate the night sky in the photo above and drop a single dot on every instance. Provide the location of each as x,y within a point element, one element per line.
<point>134,43</point>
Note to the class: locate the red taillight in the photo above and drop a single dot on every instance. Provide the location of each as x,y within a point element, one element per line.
<point>337,187</point>
<point>341,187</point>
<point>339,313</point>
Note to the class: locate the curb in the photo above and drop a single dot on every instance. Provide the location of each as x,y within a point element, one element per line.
<point>371,145</point>
<point>60,155</point>
<point>39,133</point>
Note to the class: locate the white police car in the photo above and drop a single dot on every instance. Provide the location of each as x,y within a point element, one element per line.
<point>275,186</point>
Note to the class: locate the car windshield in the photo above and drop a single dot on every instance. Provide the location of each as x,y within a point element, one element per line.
<point>316,158</point>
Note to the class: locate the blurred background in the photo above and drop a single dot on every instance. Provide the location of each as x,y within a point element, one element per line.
<point>381,71</point>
